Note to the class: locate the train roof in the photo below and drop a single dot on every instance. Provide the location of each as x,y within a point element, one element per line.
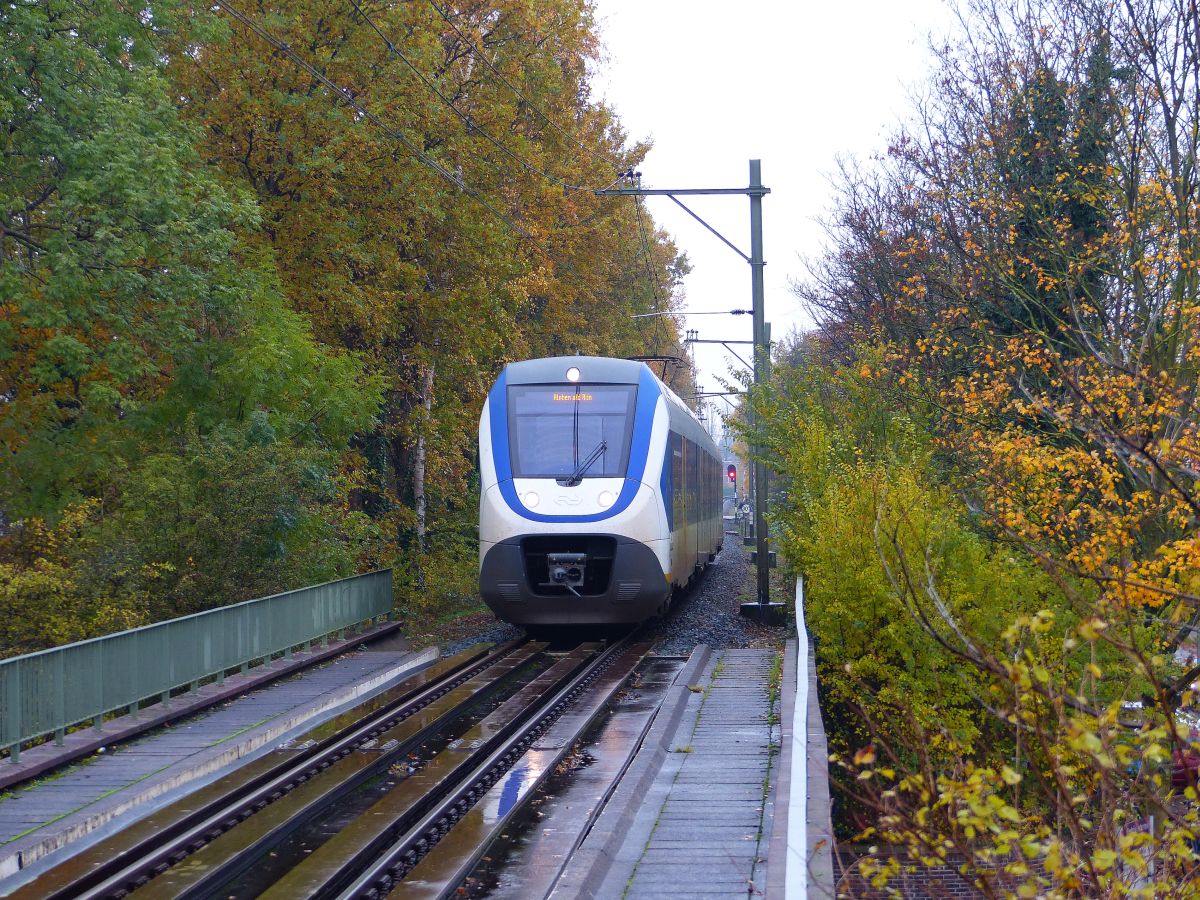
<point>607,370</point>
<point>593,369</point>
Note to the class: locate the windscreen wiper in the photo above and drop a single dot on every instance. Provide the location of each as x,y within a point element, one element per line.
<point>577,475</point>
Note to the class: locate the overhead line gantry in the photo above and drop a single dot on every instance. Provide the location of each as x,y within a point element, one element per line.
<point>763,609</point>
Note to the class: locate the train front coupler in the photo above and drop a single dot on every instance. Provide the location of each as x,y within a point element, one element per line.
<point>567,570</point>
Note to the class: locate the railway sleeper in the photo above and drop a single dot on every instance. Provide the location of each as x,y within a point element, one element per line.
<point>442,869</point>
<point>220,865</point>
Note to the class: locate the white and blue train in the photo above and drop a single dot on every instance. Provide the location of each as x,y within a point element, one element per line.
<point>600,495</point>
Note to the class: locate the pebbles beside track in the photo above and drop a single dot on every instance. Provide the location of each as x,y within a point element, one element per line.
<point>709,612</point>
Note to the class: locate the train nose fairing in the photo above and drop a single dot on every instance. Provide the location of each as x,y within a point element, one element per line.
<point>584,506</point>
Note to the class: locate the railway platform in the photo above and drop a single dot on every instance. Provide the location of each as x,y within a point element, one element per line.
<point>92,798</point>
<point>694,814</point>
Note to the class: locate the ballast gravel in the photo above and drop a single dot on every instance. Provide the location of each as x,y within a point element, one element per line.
<point>497,634</point>
<point>709,613</point>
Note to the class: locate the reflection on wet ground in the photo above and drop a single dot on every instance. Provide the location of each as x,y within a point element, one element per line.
<point>282,848</point>
<point>529,857</point>
<point>361,843</point>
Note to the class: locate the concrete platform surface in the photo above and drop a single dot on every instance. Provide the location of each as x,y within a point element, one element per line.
<point>43,816</point>
<point>694,813</point>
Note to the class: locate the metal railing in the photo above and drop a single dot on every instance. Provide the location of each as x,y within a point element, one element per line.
<point>52,690</point>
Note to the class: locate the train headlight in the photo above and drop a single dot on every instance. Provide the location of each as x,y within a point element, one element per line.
<point>606,499</point>
<point>573,374</point>
<point>531,499</point>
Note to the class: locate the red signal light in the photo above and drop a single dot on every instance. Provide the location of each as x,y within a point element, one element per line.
<point>731,472</point>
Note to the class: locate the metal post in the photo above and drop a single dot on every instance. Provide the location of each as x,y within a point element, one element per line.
<point>762,360</point>
<point>14,724</point>
<point>60,697</point>
<point>762,610</point>
<point>98,719</point>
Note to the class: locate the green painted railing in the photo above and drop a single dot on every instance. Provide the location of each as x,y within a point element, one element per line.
<point>47,692</point>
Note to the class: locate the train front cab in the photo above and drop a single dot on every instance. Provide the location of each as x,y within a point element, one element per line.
<point>624,557</point>
<point>622,580</point>
<point>558,551</point>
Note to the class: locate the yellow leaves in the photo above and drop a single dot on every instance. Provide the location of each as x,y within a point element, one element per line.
<point>1155,753</point>
<point>1010,775</point>
<point>1008,813</point>
<point>1083,739</point>
<point>865,756</point>
<point>1072,499</point>
<point>1091,629</point>
<point>1042,622</point>
<point>1032,847</point>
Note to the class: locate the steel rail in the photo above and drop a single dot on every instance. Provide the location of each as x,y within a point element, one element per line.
<point>448,863</point>
<point>412,845</point>
<point>186,825</point>
<point>233,854</point>
<point>336,862</point>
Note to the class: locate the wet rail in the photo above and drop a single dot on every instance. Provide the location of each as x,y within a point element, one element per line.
<point>514,804</point>
<point>353,805</point>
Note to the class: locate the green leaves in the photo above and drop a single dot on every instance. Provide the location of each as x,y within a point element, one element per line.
<point>160,394</point>
<point>221,290</point>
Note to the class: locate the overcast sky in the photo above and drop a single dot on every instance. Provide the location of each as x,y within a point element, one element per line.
<point>795,84</point>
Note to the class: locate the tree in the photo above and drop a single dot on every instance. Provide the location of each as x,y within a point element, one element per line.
<point>450,234</point>
<point>1018,280</point>
<point>143,342</point>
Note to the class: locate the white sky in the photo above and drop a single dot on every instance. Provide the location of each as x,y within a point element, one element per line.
<point>795,84</point>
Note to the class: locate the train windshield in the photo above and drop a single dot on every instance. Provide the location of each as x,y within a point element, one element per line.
<point>554,429</point>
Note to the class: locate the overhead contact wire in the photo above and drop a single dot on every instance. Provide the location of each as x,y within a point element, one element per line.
<point>659,305</point>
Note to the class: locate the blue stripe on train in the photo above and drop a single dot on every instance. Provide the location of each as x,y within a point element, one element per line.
<point>666,483</point>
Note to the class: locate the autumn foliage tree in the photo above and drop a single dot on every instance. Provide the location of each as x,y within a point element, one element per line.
<point>1015,283</point>
<point>456,232</point>
<point>170,427</point>
<point>258,265</point>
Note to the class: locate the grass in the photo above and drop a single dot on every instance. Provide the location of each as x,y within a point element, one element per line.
<point>775,681</point>
<point>447,622</point>
<point>774,684</point>
<point>230,737</point>
<point>686,748</point>
<point>91,802</point>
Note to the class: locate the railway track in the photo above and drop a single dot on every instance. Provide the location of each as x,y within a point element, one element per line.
<point>353,806</point>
